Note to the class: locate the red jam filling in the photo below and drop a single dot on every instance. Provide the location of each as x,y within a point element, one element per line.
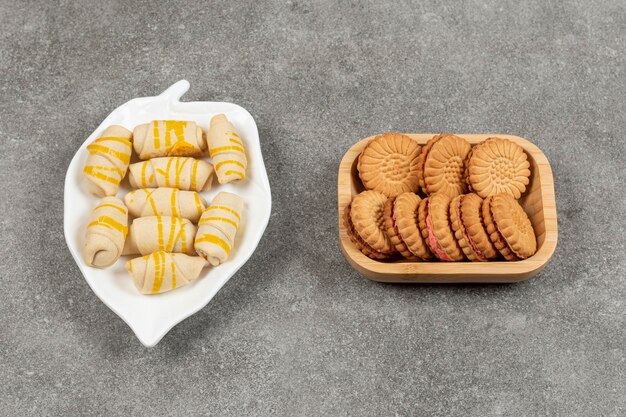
<point>395,225</point>
<point>475,248</point>
<point>469,238</point>
<point>441,254</point>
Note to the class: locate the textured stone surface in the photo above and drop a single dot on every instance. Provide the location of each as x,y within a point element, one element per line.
<point>297,331</point>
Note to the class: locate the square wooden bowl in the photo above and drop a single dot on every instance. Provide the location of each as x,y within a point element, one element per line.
<point>538,202</point>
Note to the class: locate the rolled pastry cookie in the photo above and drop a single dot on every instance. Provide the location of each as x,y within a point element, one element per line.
<point>161,271</point>
<point>106,232</point>
<point>173,171</point>
<point>168,138</point>
<point>160,233</point>
<point>165,201</point>
<point>108,160</point>
<point>217,228</point>
<point>226,149</point>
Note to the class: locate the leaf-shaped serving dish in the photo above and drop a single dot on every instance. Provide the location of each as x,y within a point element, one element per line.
<point>152,316</point>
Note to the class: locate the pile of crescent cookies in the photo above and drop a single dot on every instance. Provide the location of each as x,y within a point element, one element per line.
<point>174,231</point>
<point>468,208</point>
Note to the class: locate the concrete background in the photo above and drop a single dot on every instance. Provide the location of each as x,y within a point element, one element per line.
<point>297,332</point>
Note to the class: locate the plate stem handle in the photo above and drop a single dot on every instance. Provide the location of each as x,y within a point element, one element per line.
<point>175,91</point>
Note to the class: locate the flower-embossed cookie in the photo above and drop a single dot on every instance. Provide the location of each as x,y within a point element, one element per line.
<point>434,222</point>
<point>358,242</point>
<point>467,223</point>
<point>388,164</point>
<point>367,216</point>
<point>441,165</point>
<point>497,166</point>
<point>509,227</point>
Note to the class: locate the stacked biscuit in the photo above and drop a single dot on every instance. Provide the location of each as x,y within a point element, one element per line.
<point>174,230</point>
<point>467,208</point>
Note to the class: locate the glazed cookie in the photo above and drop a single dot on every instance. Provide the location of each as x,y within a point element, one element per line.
<point>509,227</point>
<point>434,222</point>
<point>367,217</point>
<point>391,228</point>
<point>405,212</point>
<point>441,165</point>
<point>357,240</point>
<point>388,164</point>
<point>469,230</point>
<point>497,166</point>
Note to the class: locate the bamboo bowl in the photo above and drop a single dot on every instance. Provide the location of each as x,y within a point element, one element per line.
<point>538,202</point>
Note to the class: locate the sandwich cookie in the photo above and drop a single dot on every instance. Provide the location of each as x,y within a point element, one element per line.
<point>434,222</point>
<point>509,227</point>
<point>406,228</point>
<point>497,166</point>
<point>441,165</point>
<point>469,230</point>
<point>357,240</point>
<point>367,217</point>
<point>388,164</point>
<point>391,228</point>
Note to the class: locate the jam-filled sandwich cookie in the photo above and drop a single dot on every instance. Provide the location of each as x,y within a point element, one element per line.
<point>391,228</point>
<point>358,240</point>
<point>509,227</point>
<point>497,166</point>
<point>367,217</point>
<point>388,164</point>
<point>467,223</point>
<point>434,222</point>
<point>402,228</point>
<point>441,165</point>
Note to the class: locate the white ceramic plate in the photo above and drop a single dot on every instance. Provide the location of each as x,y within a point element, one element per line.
<point>152,316</point>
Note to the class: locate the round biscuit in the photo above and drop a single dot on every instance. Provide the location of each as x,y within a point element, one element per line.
<point>388,164</point>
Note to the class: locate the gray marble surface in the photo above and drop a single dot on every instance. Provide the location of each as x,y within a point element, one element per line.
<point>297,332</point>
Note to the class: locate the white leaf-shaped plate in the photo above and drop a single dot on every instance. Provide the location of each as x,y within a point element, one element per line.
<point>152,316</point>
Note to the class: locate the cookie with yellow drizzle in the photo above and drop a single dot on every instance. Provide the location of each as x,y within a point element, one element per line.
<point>227,150</point>
<point>169,138</point>
<point>172,171</point>
<point>106,233</point>
<point>160,233</point>
<point>217,228</point>
<point>165,201</point>
<point>108,160</point>
<point>161,271</point>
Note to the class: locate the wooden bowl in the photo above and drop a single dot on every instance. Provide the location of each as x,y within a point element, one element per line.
<point>538,202</point>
